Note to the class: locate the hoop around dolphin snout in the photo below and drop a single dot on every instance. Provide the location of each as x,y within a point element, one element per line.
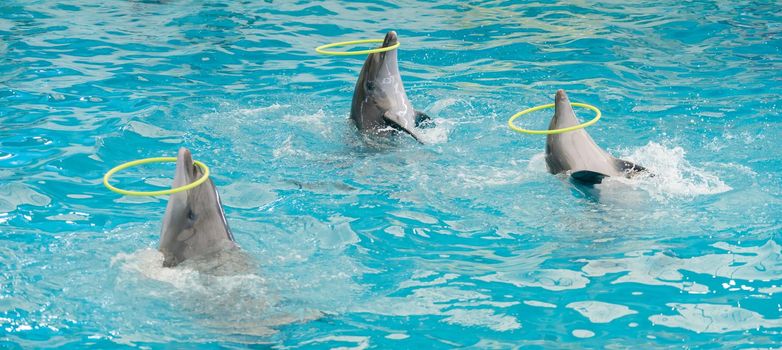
<point>321,49</point>
<point>189,186</point>
<point>555,131</point>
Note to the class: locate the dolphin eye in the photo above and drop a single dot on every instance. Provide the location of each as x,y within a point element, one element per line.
<point>370,85</point>
<point>191,215</point>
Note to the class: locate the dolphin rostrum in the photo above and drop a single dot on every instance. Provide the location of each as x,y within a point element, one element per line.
<point>194,224</point>
<point>575,152</point>
<point>379,100</point>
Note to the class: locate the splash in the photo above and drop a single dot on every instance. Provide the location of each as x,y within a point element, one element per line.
<point>537,164</point>
<point>241,303</point>
<point>441,104</point>
<point>673,176</point>
<point>439,133</point>
<point>261,110</point>
<point>190,278</point>
<point>317,122</point>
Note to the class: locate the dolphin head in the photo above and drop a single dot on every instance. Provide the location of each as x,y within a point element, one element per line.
<point>380,66</point>
<point>564,116</point>
<point>194,223</point>
<point>377,59</point>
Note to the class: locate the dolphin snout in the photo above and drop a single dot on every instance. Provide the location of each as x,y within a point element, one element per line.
<point>186,172</point>
<point>560,95</point>
<point>561,101</point>
<point>390,39</point>
<point>184,156</point>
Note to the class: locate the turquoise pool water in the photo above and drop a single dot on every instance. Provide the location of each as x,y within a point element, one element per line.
<point>466,241</point>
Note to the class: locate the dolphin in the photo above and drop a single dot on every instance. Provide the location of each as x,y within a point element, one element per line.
<point>194,224</point>
<point>575,152</point>
<point>379,100</point>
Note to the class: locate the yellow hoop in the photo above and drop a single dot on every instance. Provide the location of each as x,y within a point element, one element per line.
<point>320,49</point>
<point>189,186</point>
<point>555,131</point>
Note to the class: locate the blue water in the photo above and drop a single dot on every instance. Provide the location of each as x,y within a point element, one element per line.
<point>466,241</point>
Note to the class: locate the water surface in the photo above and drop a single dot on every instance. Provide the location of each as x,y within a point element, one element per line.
<point>466,241</point>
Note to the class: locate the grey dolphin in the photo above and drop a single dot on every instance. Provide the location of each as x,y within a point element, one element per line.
<point>379,100</point>
<point>575,152</point>
<point>194,224</point>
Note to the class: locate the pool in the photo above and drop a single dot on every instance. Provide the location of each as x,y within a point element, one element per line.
<point>465,241</point>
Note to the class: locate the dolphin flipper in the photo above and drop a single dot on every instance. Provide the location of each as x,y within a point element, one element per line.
<point>401,124</point>
<point>588,177</point>
<point>422,120</point>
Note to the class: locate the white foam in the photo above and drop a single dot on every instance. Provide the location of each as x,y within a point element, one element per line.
<point>439,133</point>
<point>316,122</point>
<point>287,149</point>
<point>202,291</point>
<point>537,163</point>
<point>261,110</point>
<point>673,176</point>
<point>482,317</point>
<point>149,263</point>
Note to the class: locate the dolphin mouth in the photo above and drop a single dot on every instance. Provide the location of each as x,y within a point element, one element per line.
<point>391,39</point>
